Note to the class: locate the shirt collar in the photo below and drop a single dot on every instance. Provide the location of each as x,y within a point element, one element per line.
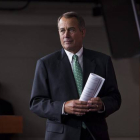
<point>79,54</point>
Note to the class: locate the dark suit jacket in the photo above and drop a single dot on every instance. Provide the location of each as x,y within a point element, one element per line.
<point>54,84</point>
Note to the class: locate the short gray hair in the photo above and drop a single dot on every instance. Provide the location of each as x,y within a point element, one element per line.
<point>76,15</point>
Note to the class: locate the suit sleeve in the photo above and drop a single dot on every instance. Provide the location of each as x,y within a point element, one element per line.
<point>111,98</point>
<point>41,102</point>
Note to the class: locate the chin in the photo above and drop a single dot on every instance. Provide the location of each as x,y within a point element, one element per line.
<point>68,48</point>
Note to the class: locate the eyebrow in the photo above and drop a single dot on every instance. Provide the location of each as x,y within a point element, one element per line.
<point>68,28</point>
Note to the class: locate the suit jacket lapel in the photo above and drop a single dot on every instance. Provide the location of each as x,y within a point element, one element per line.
<point>88,65</point>
<point>67,74</point>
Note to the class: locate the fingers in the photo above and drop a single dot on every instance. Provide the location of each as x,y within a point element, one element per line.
<point>79,111</point>
<point>81,107</point>
<point>76,107</point>
<point>94,107</point>
<point>80,102</point>
<point>95,104</point>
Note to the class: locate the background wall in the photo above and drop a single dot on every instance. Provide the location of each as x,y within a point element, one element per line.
<point>27,35</point>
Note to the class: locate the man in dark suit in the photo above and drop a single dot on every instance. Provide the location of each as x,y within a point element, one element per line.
<point>55,92</point>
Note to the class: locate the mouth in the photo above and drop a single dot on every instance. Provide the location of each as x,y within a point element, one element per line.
<point>68,42</point>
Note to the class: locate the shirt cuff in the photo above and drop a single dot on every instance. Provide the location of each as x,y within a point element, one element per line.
<point>63,113</point>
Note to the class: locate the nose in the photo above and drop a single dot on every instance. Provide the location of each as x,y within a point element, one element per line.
<point>67,34</point>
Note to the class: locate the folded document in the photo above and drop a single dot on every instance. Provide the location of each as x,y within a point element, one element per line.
<point>92,87</point>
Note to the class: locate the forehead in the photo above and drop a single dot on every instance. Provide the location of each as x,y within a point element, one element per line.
<point>68,22</point>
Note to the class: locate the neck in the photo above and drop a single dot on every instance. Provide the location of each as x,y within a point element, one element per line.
<point>75,51</point>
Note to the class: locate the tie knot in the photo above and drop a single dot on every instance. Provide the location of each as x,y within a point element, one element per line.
<point>75,57</point>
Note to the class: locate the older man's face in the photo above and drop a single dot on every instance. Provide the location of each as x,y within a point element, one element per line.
<point>71,36</point>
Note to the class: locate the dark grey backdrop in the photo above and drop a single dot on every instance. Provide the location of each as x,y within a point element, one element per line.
<point>27,35</point>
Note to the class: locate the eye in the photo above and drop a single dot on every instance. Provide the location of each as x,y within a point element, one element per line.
<point>71,30</point>
<point>61,30</point>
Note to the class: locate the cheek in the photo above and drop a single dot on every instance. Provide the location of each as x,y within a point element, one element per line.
<point>76,39</point>
<point>61,39</point>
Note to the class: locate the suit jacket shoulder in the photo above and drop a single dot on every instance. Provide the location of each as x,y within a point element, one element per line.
<point>95,54</point>
<point>52,57</point>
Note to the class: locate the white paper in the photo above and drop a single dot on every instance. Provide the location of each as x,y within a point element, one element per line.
<point>92,87</point>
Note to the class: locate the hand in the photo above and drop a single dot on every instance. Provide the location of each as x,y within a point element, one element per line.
<point>95,104</point>
<point>76,107</point>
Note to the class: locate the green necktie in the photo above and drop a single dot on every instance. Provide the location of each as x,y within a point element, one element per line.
<point>77,71</point>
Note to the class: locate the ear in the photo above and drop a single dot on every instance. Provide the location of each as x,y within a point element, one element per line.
<point>83,32</point>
